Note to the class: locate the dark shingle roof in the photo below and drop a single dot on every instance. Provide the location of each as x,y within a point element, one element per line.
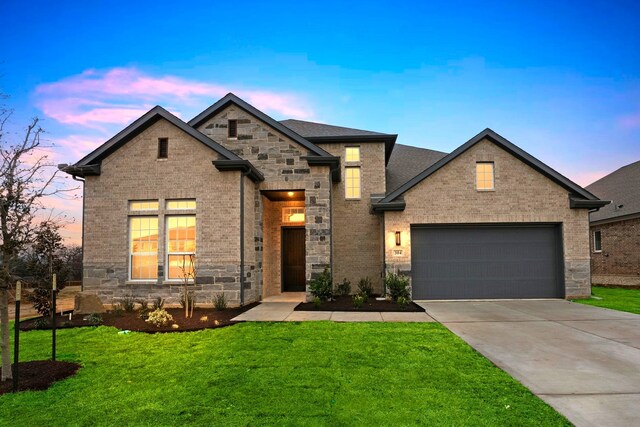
<point>312,129</point>
<point>622,187</point>
<point>406,162</point>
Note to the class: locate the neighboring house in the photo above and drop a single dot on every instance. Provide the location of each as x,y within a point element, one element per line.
<point>615,229</point>
<point>265,206</point>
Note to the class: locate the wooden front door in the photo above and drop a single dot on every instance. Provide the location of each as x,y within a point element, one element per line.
<point>293,259</point>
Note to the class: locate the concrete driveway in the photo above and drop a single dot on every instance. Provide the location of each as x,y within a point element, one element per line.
<point>582,360</point>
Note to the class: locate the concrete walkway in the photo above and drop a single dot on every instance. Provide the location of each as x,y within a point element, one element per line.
<point>582,360</point>
<point>283,312</point>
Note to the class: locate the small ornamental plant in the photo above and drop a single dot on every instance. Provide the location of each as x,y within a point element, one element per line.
<point>344,288</point>
<point>365,287</point>
<point>317,302</point>
<point>95,319</point>
<point>397,285</point>
<point>359,300</point>
<point>220,301</point>
<point>159,317</point>
<point>322,286</point>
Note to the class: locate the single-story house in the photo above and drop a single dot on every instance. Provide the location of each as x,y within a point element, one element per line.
<point>259,207</point>
<point>615,229</point>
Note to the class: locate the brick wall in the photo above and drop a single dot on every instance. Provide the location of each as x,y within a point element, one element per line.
<point>357,244</point>
<point>619,261</point>
<point>134,172</point>
<point>521,195</point>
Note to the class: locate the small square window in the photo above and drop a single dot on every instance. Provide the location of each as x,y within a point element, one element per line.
<point>597,241</point>
<point>352,154</point>
<point>484,176</point>
<point>163,148</point>
<point>232,128</point>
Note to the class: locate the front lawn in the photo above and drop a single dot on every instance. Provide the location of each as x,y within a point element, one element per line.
<point>313,373</point>
<point>614,298</point>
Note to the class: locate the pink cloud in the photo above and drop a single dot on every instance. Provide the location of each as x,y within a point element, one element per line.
<point>584,178</point>
<point>118,96</point>
<point>630,121</point>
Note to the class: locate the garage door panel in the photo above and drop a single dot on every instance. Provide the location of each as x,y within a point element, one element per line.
<point>485,262</point>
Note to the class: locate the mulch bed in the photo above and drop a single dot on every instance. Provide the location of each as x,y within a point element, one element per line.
<point>345,303</point>
<point>133,322</point>
<point>40,375</point>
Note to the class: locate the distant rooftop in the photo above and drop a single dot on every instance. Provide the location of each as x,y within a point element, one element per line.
<point>406,162</point>
<point>317,130</point>
<point>622,187</point>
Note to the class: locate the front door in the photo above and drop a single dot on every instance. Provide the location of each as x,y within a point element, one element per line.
<point>293,259</point>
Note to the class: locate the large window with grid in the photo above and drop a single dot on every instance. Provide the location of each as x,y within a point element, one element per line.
<point>484,176</point>
<point>143,247</point>
<point>352,182</point>
<point>181,246</point>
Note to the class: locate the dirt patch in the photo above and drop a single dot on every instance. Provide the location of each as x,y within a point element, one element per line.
<point>345,303</point>
<point>40,375</point>
<point>203,318</point>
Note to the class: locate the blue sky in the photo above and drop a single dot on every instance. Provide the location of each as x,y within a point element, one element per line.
<point>559,79</point>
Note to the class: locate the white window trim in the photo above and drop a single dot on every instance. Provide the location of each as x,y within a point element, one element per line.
<point>166,252</point>
<point>595,249</point>
<point>130,255</point>
<point>493,176</point>
<point>359,182</point>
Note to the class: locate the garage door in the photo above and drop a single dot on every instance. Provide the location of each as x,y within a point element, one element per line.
<point>484,262</point>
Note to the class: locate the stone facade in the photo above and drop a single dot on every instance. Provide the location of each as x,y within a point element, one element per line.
<point>280,160</point>
<point>619,261</point>
<point>522,195</point>
<point>134,173</point>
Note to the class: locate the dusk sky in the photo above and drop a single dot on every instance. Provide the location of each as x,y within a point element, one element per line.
<point>559,79</point>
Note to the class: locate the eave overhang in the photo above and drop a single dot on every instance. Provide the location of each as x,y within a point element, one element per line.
<point>575,203</point>
<point>80,170</point>
<point>396,205</point>
<point>243,166</point>
<point>332,161</point>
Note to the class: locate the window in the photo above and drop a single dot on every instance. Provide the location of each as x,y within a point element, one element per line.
<point>181,204</point>
<point>290,215</point>
<point>143,205</point>
<point>484,176</point>
<point>233,128</point>
<point>181,246</point>
<point>352,183</point>
<point>163,148</point>
<point>352,154</point>
<point>597,241</point>
<point>143,247</point>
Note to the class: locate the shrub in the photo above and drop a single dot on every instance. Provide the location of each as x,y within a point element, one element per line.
<point>344,288</point>
<point>317,302</point>
<point>117,309</point>
<point>322,286</point>
<point>41,323</point>
<point>157,303</point>
<point>220,301</point>
<point>359,300</point>
<point>403,302</point>
<point>143,312</point>
<point>41,301</point>
<point>191,298</point>
<point>94,319</point>
<point>365,287</point>
<point>128,304</point>
<point>159,317</point>
<point>397,286</point>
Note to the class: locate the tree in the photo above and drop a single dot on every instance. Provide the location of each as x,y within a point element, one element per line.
<point>26,178</point>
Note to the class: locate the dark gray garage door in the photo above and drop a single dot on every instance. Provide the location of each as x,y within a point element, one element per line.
<point>467,262</point>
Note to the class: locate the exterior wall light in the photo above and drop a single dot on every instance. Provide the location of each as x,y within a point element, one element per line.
<point>398,240</point>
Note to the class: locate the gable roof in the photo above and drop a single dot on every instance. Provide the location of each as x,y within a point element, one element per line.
<point>514,150</point>
<point>622,187</point>
<point>230,98</point>
<point>135,128</point>
<point>406,162</point>
<point>320,133</point>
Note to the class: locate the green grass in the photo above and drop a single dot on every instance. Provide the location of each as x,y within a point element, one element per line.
<point>313,373</point>
<point>615,299</point>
